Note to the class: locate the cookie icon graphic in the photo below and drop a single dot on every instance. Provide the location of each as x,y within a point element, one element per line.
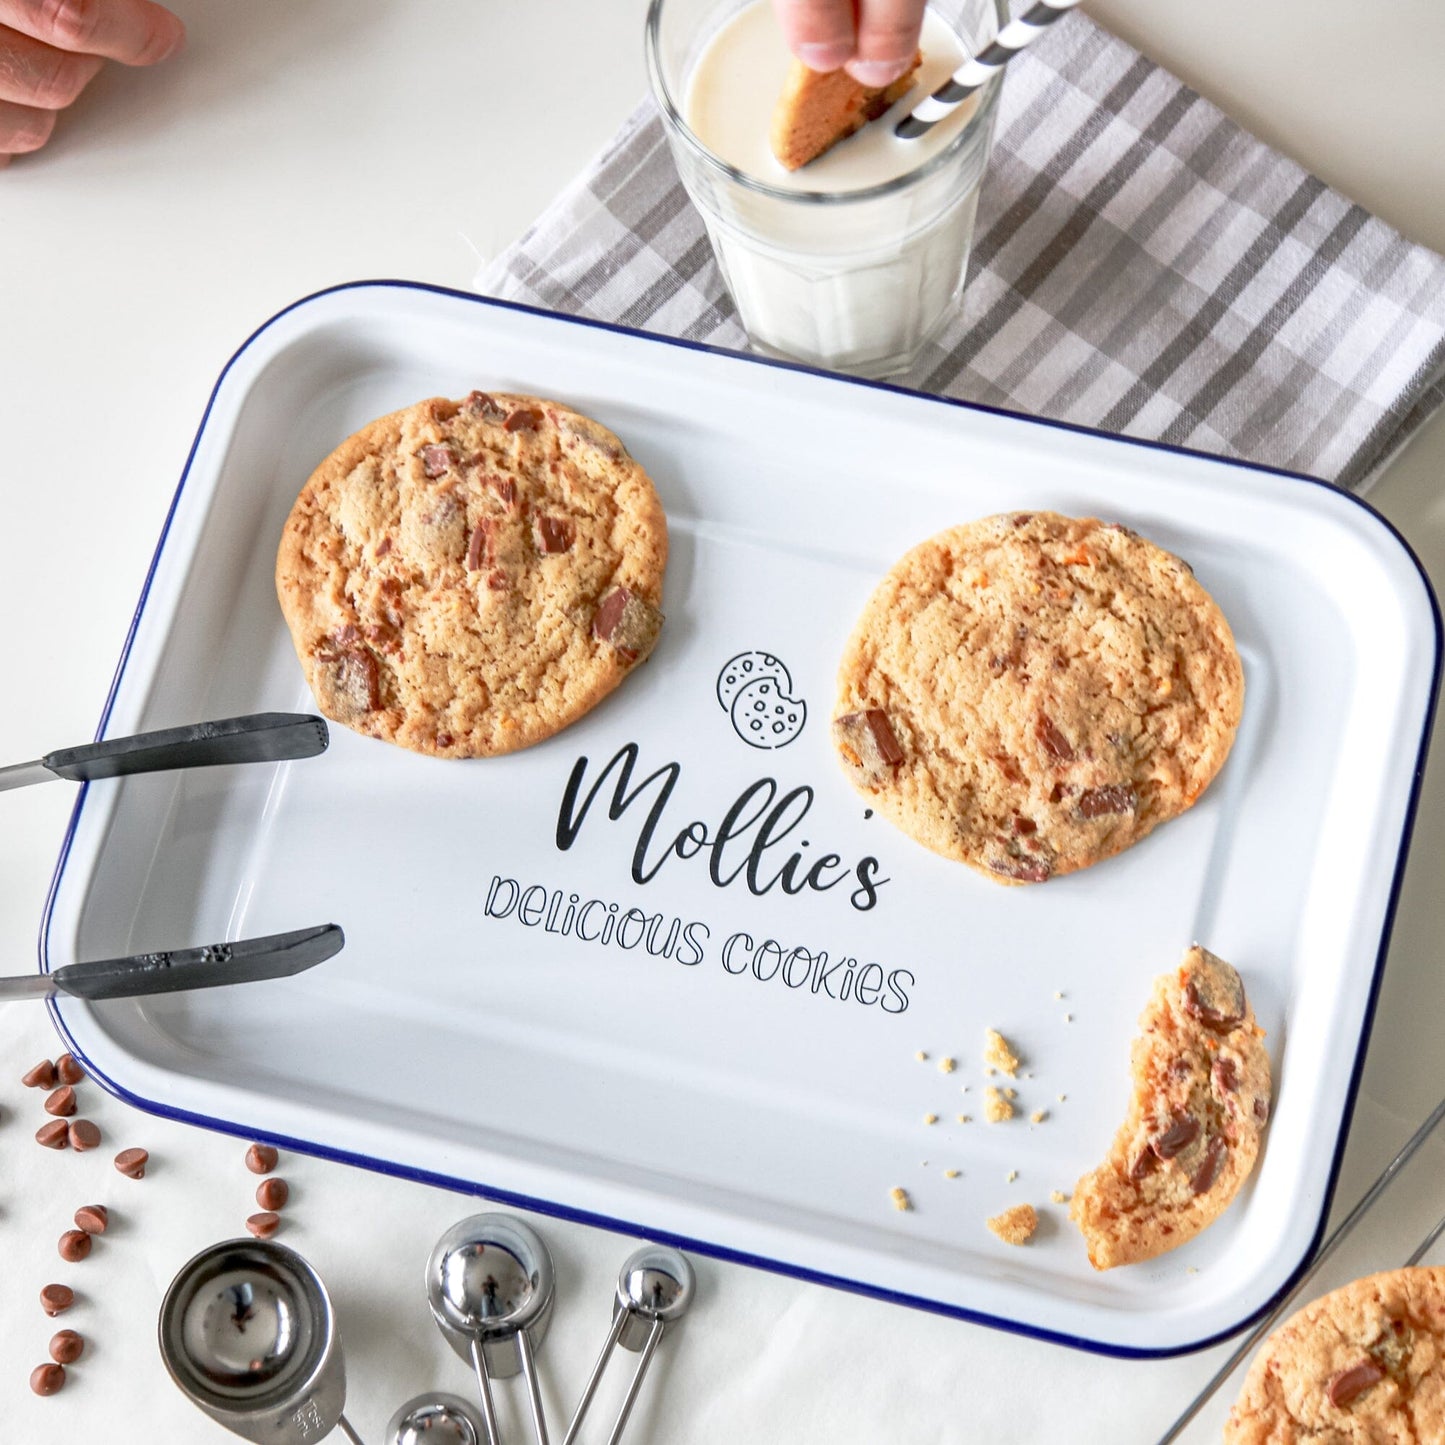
<point>764,716</point>
<point>737,672</point>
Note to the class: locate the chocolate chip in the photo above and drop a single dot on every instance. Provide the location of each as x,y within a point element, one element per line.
<point>54,1135</point>
<point>553,534</point>
<point>628,623</point>
<point>1346,1386</point>
<point>1175,1137</point>
<point>1024,827</point>
<point>264,1225</point>
<point>1142,1165</point>
<point>349,681</point>
<point>1261,1110</point>
<point>84,1134</point>
<point>436,459</point>
<point>1101,802</point>
<point>480,403</point>
<point>1202,1180</point>
<point>1224,1076</point>
<point>260,1158</point>
<point>272,1194</point>
<point>868,743</point>
<point>74,1245</point>
<point>47,1379</point>
<point>481,550</point>
<point>62,1102</point>
<point>506,490</point>
<point>1213,991</point>
<point>55,1299</point>
<point>92,1218</point>
<point>67,1070</point>
<point>66,1347</point>
<point>42,1076</point>
<point>132,1163</point>
<point>1053,742</point>
<point>1021,868</point>
<point>525,418</point>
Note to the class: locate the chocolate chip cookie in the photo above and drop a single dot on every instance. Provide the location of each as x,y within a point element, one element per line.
<point>466,578</point>
<point>1201,1100</point>
<point>1032,693</point>
<point>817,109</point>
<point>1365,1363</point>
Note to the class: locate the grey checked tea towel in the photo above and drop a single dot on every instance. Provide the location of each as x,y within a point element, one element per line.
<point>1141,265</point>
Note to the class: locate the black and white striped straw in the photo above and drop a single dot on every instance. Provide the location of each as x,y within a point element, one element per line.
<point>978,70</point>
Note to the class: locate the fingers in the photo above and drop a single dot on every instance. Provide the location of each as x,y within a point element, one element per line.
<point>35,75</point>
<point>819,32</point>
<point>134,32</point>
<point>23,128</point>
<point>888,33</point>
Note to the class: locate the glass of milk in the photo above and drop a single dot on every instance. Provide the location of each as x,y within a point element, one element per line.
<point>854,260</point>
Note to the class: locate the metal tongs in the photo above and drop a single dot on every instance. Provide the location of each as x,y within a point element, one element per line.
<point>262,737</point>
<point>1387,1177</point>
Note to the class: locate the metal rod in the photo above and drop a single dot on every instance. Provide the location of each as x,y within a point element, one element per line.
<point>1387,1177</point>
<point>534,1390</point>
<point>619,1323</point>
<point>1425,1244</point>
<point>648,1350</point>
<point>344,1425</point>
<point>484,1387</point>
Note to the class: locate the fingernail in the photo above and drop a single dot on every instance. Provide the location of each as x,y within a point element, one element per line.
<point>875,73</point>
<point>824,57</point>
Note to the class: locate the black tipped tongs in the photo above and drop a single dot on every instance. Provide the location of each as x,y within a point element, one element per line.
<point>263,737</point>
<point>278,955</point>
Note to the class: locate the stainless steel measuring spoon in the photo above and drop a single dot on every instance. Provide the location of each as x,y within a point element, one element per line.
<point>654,1288</point>
<point>435,1420</point>
<point>248,1334</point>
<point>490,1285</point>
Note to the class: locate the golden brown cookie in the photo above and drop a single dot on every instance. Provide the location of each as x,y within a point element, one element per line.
<point>1364,1365</point>
<point>1201,1100</point>
<point>817,109</point>
<point>465,578</point>
<point>1032,693</point>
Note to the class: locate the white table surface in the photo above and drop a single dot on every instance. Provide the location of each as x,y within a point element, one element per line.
<point>296,145</point>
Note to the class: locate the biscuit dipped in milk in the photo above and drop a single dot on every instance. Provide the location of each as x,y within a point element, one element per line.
<point>852,259</point>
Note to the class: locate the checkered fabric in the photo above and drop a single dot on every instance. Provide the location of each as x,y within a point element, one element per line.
<point>1141,265</point>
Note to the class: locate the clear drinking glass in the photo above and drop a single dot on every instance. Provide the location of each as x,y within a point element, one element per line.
<point>854,280</point>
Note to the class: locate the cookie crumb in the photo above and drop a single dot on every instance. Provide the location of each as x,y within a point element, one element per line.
<point>1010,1093</point>
<point>950,1173</point>
<point>999,1054</point>
<point>1038,1116</point>
<point>900,1199</point>
<point>947,1065</point>
<point>1068,1018</point>
<point>1059,1197</point>
<point>1016,1225</point>
<point>996,1108</point>
<point>930,1118</point>
<point>1058,993</point>
<point>1011,1176</point>
<point>965,1118</point>
<point>1062,1097</point>
<point>922,1056</point>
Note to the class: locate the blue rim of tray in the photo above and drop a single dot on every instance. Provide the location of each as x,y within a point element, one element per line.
<point>637,1228</point>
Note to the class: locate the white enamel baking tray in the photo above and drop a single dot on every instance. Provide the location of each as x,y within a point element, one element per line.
<point>485,1027</point>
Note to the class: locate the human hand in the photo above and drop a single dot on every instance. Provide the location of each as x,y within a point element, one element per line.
<point>873,40</point>
<point>50,50</point>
